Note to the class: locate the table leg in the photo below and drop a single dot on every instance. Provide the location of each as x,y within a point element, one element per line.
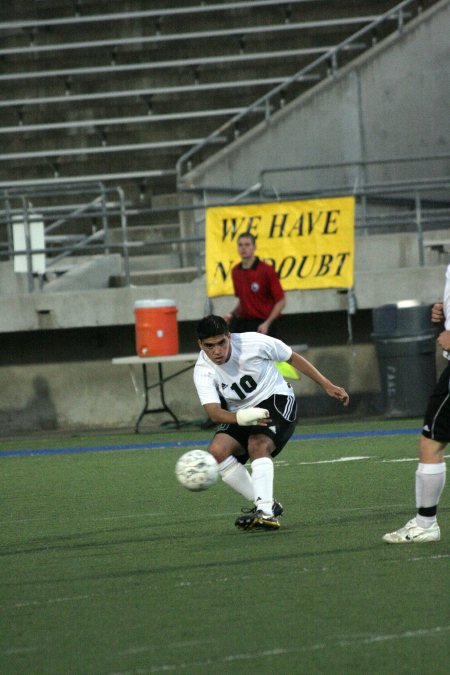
<point>146,410</point>
<point>163,400</point>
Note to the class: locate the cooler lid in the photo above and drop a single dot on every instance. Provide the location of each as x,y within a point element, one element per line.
<point>154,303</point>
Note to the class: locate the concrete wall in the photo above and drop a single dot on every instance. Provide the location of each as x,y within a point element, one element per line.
<point>65,379</point>
<point>56,349</point>
<point>386,270</point>
<point>99,395</point>
<point>391,102</point>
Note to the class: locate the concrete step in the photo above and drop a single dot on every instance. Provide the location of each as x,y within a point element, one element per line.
<point>148,240</point>
<point>145,233</point>
<point>148,263</point>
<point>155,277</point>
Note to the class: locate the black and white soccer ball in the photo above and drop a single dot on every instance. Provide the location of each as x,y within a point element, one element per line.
<point>197,470</point>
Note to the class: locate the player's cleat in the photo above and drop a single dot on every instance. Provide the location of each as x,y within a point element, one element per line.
<point>257,521</point>
<point>277,509</point>
<point>413,534</point>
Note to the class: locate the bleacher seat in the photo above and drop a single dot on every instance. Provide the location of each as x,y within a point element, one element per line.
<point>120,96</point>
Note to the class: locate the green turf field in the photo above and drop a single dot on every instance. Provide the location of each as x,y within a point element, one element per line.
<point>109,566</point>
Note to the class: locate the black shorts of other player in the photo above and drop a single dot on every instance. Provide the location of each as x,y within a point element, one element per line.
<point>283,413</point>
<point>436,424</point>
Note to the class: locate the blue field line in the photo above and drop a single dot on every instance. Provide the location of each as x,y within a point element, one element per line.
<point>186,444</point>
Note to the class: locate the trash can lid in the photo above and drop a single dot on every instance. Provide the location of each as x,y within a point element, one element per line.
<point>403,304</point>
<point>407,317</point>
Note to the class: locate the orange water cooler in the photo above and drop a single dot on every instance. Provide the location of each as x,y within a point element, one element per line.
<point>156,327</point>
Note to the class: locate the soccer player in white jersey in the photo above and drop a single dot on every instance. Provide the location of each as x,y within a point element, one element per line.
<point>430,474</point>
<point>260,413</point>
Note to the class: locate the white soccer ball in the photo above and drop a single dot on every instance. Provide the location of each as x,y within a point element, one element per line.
<point>197,470</point>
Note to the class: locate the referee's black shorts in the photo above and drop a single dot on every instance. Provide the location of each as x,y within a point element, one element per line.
<point>436,424</point>
<point>283,413</point>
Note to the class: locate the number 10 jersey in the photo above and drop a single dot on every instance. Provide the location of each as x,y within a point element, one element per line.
<point>248,377</point>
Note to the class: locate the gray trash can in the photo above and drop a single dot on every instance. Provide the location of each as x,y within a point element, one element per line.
<point>405,344</point>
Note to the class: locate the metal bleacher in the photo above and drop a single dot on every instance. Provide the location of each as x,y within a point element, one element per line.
<point>144,86</point>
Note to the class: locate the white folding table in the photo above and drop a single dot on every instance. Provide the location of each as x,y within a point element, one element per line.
<point>159,361</point>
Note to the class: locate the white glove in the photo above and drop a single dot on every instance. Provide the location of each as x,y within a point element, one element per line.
<point>249,416</point>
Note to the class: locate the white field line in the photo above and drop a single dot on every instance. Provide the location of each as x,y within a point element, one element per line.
<point>356,458</point>
<point>343,642</point>
<point>405,459</point>
<point>115,517</point>
<point>337,460</point>
<point>21,650</point>
<point>177,645</point>
<point>51,601</point>
<point>128,515</point>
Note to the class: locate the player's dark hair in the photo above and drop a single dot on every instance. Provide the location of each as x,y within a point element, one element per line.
<point>210,326</point>
<point>247,235</point>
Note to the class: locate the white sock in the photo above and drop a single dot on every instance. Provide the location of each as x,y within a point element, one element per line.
<point>430,481</point>
<point>262,475</point>
<point>237,477</point>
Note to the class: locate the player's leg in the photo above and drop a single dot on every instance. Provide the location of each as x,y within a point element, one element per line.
<point>430,481</point>
<point>232,472</point>
<point>260,448</point>
<point>431,470</point>
<point>264,514</point>
<point>263,445</point>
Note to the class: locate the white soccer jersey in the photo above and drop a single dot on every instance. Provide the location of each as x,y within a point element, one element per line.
<point>248,377</point>
<point>447,298</point>
<point>446,303</point>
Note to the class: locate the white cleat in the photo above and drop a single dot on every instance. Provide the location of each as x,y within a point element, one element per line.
<point>413,534</point>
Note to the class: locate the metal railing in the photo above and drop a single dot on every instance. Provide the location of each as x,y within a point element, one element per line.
<point>237,31</point>
<point>66,228</point>
<point>78,218</point>
<point>420,202</point>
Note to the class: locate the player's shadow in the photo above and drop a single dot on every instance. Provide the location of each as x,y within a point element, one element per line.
<point>38,413</point>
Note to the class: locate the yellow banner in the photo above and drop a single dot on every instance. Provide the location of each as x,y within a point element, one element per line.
<point>310,243</point>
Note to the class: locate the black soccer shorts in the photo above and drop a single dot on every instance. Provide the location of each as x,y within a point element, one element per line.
<point>436,424</point>
<point>283,413</point>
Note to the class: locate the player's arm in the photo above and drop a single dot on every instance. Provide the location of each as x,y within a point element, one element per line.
<point>443,340</point>
<point>306,368</point>
<point>244,417</point>
<point>437,313</point>
<point>274,314</point>
<point>234,312</point>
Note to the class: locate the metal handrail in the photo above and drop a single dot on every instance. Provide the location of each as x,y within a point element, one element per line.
<point>102,149</point>
<point>193,35</point>
<point>149,13</point>
<point>160,65</point>
<point>63,180</point>
<point>142,93</point>
<point>356,162</point>
<point>265,101</point>
<point>109,121</point>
